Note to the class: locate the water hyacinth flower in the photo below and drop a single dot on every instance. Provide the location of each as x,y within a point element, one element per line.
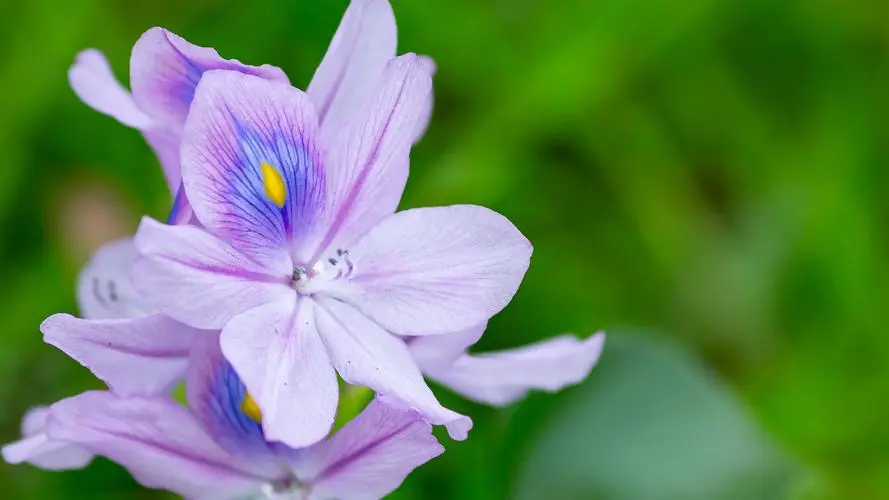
<point>304,266</point>
<point>216,449</point>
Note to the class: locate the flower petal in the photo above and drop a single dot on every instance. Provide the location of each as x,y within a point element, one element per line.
<point>217,398</point>
<point>38,449</point>
<point>363,43</point>
<point>250,166</point>
<point>94,83</point>
<point>365,354</point>
<point>104,290</point>
<point>165,69</point>
<point>157,440</point>
<point>437,270</point>
<point>500,378</point>
<point>276,351</point>
<point>370,456</point>
<point>146,356</point>
<point>198,279</point>
<point>431,351</point>
<point>368,165</point>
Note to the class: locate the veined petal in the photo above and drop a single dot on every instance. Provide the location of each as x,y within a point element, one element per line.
<point>142,356</point>
<point>38,449</point>
<point>430,351</point>
<point>250,164</point>
<point>363,43</point>
<point>369,457</point>
<point>157,440</point>
<point>368,165</point>
<point>197,279</point>
<point>502,377</point>
<point>92,80</point>
<point>104,290</point>
<point>220,401</point>
<point>276,351</point>
<point>365,354</point>
<point>437,270</point>
<point>165,69</point>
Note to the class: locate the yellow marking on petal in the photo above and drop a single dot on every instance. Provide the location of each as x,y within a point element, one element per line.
<point>275,189</point>
<point>251,409</point>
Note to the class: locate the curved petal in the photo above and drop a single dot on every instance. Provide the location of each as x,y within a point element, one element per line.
<point>104,290</point>
<point>38,449</point>
<point>217,397</point>
<point>365,354</point>
<point>158,441</point>
<point>502,377</point>
<point>363,43</point>
<point>92,80</point>
<point>437,270</point>
<point>250,165</point>
<point>145,356</point>
<point>198,279</point>
<point>368,165</point>
<point>165,69</point>
<point>430,351</point>
<point>370,456</point>
<point>276,351</point>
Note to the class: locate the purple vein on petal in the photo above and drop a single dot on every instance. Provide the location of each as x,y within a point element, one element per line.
<point>343,212</point>
<point>357,454</point>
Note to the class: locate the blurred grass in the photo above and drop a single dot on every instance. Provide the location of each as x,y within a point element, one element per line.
<point>713,170</point>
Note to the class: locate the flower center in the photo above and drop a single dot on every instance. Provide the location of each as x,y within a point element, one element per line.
<point>324,275</point>
<point>284,489</point>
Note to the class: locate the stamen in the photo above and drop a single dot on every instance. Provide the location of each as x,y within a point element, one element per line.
<point>251,409</point>
<point>275,189</point>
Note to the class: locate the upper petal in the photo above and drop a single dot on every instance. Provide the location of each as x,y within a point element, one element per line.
<point>365,354</point>
<point>363,43</point>
<point>368,161</point>
<point>250,165</point>
<point>38,449</point>
<point>438,270</point>
<point>158,441</point>
<point>500,378</point>
<point>104,290</point>
<point>198,279</point>
<point>92,80</point>
<point>276,351</point>
<point>144,356</point>
<point>165,69</point>
<point>370,456</point>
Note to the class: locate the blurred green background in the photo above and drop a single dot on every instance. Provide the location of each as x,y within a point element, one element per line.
<point>704,179</point>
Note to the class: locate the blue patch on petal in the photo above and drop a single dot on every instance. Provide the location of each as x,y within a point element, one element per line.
<point>292,161</point>
<point>230,426</point>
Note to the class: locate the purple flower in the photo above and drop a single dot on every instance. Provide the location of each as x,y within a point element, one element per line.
<point>304,266</point>
<point>216,449</point>
<point>500,378</point>
<point>165,70</point>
